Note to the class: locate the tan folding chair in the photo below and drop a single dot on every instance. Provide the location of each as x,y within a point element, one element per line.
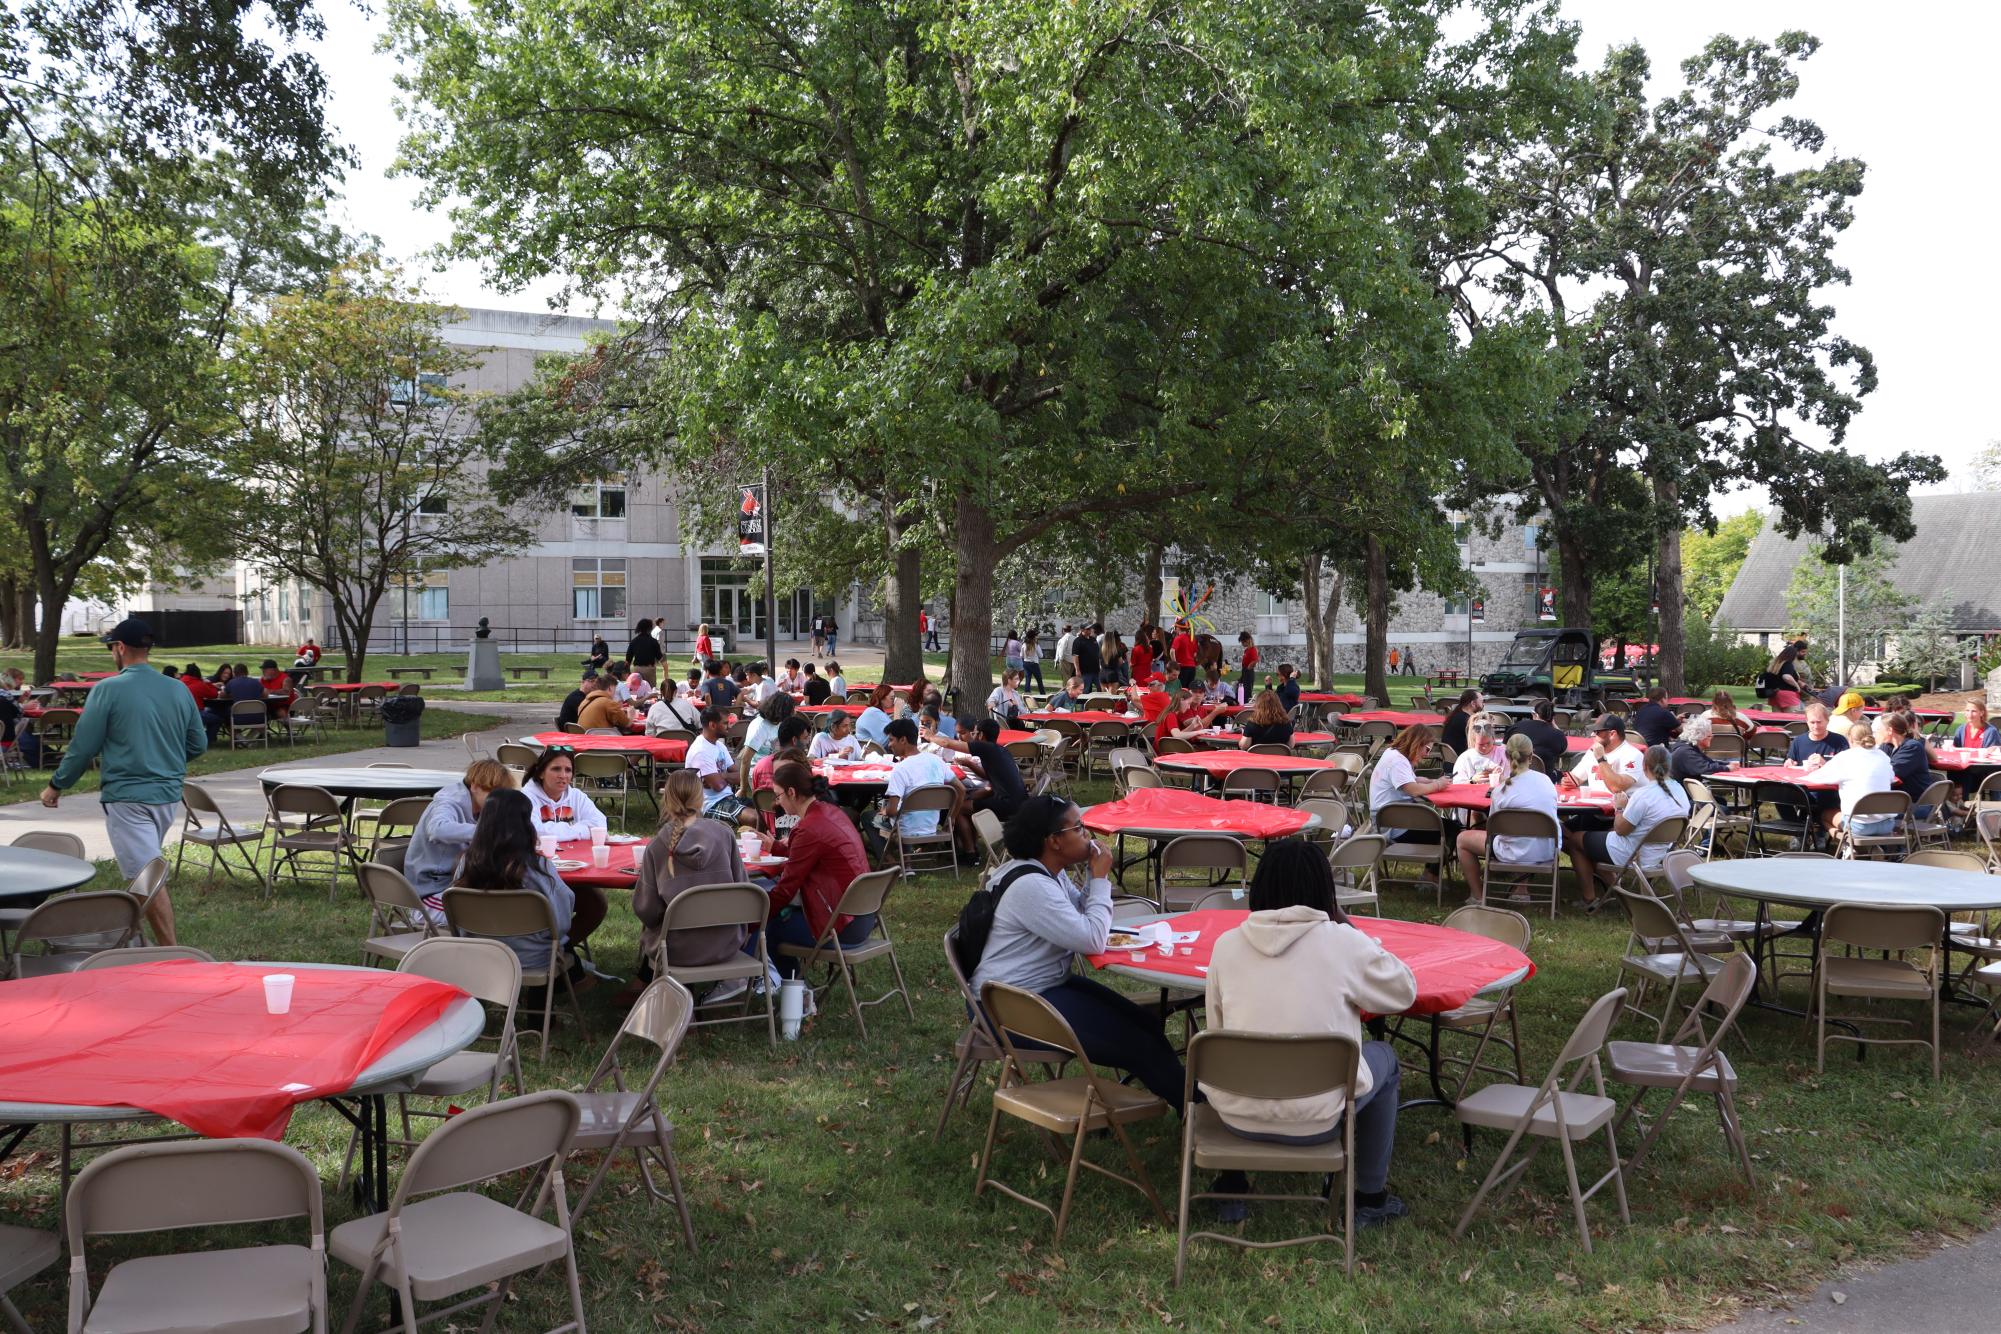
<point>1481,1016</point>
<point>388,826</point>
<point>124,958</point>
<point>53,731</point>
<point>1072,1106</point>
<point>865,896</point>
<point>1323,783</point>
<point>24,1253</point>
<point>1721,923</point>
<point>993,837</point>
<point>501,913</point>
<point>1217,860</point>
<point>1100,740</point>
<point>308,822</point>
<point>940,847</point>
<point>515,755</point>
<point>1415,817</point>
<point>147,886</point>
<point>1035,761</point>
<point>1267,1065</point>
<point>41,840</point>
<point>1333,813</point>
<point>196,804</point>
<point>1253,782</point>
<point>618,1118</point>
<point>1934,830</point>
<point>1355,860</point>
<point>1535,884</point>
<point>72,927</point>
<point>1895,931</point>
<point>490,973</point>
<point>1554,1110</point>
<point>1659,952</point>
<point>397,919</point>
<point>1683,1068</point>
<point>159,1187</point>
<point>249,723</point>
<point>1875,806</point>
<point>978,1043</point>
<point>455,1240</point>
<point>739,904</point>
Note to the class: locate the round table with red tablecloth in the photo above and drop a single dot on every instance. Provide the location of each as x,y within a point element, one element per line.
<point>1222,736</point>
<point>1084,717</point>
<point>1479,797</point>
<point>1164,813</point>
<point>1397,717</point>
<point>659,749</point>
<point>576,868</point>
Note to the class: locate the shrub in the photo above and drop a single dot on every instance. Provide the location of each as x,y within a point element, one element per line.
<point>1714,657</point>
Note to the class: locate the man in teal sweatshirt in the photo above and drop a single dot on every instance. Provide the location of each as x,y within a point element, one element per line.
<point>144,728</point>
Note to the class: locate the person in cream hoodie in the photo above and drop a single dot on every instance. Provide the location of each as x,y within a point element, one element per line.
<point>1296,965</point>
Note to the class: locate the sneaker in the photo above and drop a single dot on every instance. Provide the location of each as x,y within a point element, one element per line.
<point>1379,1215</point>
<point>727,991</point>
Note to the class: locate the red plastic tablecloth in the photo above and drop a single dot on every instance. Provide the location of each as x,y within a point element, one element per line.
<point>1400,718</point>
<point>1578,744</point>
<point>1777,773</point>
<point>1009,736</point>
<point>192,1042</point>
<point>878,774</point>
<point>1451,966</point>
<point>1325,697</point>
<point>620,870</point>
<point>852,710</point>
<point>1218,763</point>
<point>671,749</point>
<point>1083,717</point>
<point>1171,808</point>
<point>1479,796</point>
<point>1221,737</point>
<point>1959,760</point>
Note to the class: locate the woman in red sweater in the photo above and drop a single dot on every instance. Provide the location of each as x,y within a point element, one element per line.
<point>823,856</point>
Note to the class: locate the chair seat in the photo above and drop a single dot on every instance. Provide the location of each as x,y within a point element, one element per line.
<point>1216,1146</point>
<point>742,966</point>
<point>254,1290</point>
<point>1887,979</point>
<point>1668,967</point>
<point>25,1252</point>
<point>1058,1104</point>
<point>48,965</point>
<point>1663,1065</point>
<point>461,1072</point>
<point>872,948</point>
<point>393,947</point>
<point>451,1243</point>
<point>1736,928</point>
<point>605,1114</point>
<point>1500,1106</point>
<point>216,837</point>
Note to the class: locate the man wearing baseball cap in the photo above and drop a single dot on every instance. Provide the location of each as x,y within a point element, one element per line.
<point>1848,709</point>
<point>1613,763</point>
<point>143,728</point>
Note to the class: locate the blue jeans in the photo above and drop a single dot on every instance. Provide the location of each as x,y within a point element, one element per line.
<point>1375,1115</point>
<point>1031,670</point>
<point>793,929</point>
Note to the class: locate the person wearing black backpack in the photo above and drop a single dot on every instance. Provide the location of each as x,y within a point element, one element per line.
<point>1037,921</point>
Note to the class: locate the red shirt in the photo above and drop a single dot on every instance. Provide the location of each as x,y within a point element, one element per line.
<point>923,620</point>
<point>1142,657</point>
<point>823,857</point>
<point>203,690</point>
<point>1152,704</point>
<point>1171,722</point>
<point>1183,650</point>
<point>1250,656</point>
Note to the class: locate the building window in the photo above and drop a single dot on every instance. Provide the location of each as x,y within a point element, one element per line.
<point>423,597</point>
<point>599,500</point>
<point>1529,533</point>
<point>429,383</point>
<point>433,504</point>
<point>1270,604</point>
<point>1455,606</point>
<point>284,602</point>
<point>597,589</point>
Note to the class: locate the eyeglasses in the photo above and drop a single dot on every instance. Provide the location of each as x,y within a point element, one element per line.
<point>560,750</point>
<point>1077,828</point>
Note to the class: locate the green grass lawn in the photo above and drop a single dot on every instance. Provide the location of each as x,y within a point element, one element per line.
<point>822,1201</point>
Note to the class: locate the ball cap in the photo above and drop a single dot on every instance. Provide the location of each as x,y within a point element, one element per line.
<point>1612,723</point>
<point>132,632</point>
<point>1849,700</point>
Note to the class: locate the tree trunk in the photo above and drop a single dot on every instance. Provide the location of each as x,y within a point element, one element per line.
<point>10,613</point>
<point>1321,618</point>
<point>24,615</point>
<point>973,601</point>
<point>1376,620</point>
<point>1671,663</point>
<point>1150,584</point>
<point>48,633</point>
<point>902,646</point>
<point>1576,597</point>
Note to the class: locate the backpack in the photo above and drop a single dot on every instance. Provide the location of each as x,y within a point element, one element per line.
<point>976,919</point>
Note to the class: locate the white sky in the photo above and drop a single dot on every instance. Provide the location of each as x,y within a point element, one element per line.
<point>1912,99</point>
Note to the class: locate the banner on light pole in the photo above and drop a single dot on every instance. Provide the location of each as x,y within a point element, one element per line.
<point>752,532</point>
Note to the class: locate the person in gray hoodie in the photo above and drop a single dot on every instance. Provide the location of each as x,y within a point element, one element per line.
<point>1297,965</point>
<point>1044,922</point>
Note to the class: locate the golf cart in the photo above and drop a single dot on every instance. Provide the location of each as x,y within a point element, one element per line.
<point>1562,664</point>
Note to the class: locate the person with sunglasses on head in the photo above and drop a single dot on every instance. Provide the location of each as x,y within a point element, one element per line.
<point>1297,965</point>
<point>1483,753</point>
<point>1044,921</point>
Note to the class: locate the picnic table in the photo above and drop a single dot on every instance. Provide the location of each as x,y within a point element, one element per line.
<point>400,672</point>
<point>518,672</point>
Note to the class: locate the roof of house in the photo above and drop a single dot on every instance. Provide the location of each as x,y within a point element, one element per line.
<point>1950,560</point>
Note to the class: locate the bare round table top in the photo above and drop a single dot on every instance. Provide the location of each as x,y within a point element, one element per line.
<point>1815,882</point>
<point>29,875</point>
<point>361,782</point>
<point>453,1031</point>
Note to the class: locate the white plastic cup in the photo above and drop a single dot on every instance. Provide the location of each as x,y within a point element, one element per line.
<point>598,835</point>
<point>600,856</point>
<point>749,846</point>
<point>791,1007</point>
<point>546,845</point>
<point>278,993</point>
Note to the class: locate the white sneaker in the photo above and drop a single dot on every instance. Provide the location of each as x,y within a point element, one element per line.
<point>728,991</point>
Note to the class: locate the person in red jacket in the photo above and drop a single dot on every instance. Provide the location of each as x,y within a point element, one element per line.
<point>823,856</point>
<point>1141,657</point>
<point>1182,650</point>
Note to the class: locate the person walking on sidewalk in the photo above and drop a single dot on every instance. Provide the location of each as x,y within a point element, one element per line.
<point>145,728</point>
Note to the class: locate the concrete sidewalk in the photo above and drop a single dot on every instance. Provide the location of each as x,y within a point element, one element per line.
<point>1949,1290</point>
<point>239,791</point>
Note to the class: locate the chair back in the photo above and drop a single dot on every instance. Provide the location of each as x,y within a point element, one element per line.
<point>1333,813</point>
<point>491,1141</point>
<point>246,713</point>
<point>1726,745</point>
<point>1204,852</point>
<point>1876,805</point>
<point>738,903</point>
<point>1252,779</point>
<point>992,835</point>
<point>1359,853</point>
<point>1723,999</point>
<point>403,813</point>
<point>1588,1038</point>
<point>1947,860</point>
<point>929,797</point>
<point>1120,756</point>
<point>660,1015</point>
<point>602,766</point>
<point>1023,1014</point>
<point>1323,783</point>
<point>486,970</point>
<point>191,1183</point>
<point>865,894</point>
<point>1273,1065</point>
<point>1936,793</point>
<point>143,954</point>
<point>1652,918</point>
<point>90,921</point>
<point>1502,924</point>
<point>1173,745</point>
<point>152,878</point>
<point>193,795</point>
<point>397,905</point>
<point>51,840</point>
<point>1874,927</point>
<point>313,803</point>
<point>1352,761</point>
<point>1268,748</point>
<point>1410,815</point>
<point>1519,823</point>
<point>498,912</point>
<point>1135,778</point>
<point>515,755</point>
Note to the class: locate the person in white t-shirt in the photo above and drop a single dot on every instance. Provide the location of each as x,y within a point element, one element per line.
<point>710,759</point>
<point>1640,809</point>
<point>837,683</point>
<point>1613,764</point>
<point>672,712</point>
<point>1395,779</point>
<point>837,740</point>
<point>1861,769</point>
<point>915,768</point>
<point>1483,754</point>
<point>1518,786</point>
